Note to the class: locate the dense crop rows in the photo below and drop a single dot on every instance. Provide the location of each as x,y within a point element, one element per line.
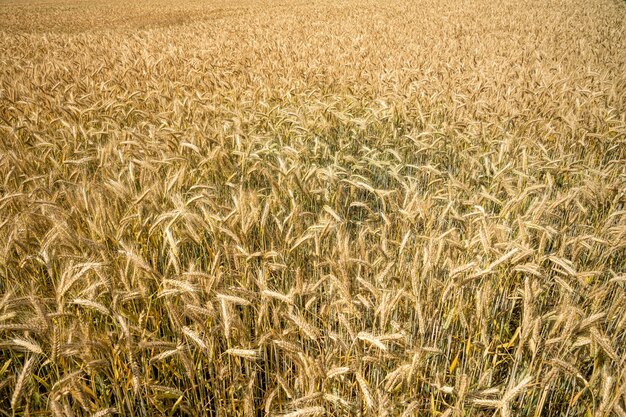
<point>315,208</point>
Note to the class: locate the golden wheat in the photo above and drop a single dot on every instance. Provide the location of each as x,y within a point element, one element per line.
<point>325,208</point>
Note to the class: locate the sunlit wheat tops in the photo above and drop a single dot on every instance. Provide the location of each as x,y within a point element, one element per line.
<point>349,208</point>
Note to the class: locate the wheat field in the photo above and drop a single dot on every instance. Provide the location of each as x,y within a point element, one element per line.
<point>321,208</point>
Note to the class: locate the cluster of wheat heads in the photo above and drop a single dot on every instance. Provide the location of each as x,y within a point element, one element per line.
<point>341,209</point>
